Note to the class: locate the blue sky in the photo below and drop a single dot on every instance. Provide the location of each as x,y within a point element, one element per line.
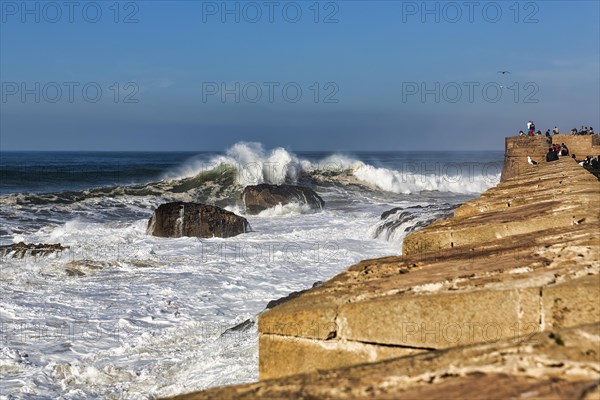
<point>346,75</point>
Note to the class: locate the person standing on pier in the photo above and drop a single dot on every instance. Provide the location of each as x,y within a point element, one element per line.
<point>530,128</point>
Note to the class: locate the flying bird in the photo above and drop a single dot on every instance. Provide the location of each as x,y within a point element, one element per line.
<point>504,72</point>
<point>530,161</point>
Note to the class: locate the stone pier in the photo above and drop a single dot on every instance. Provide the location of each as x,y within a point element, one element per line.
<point>501,299</point>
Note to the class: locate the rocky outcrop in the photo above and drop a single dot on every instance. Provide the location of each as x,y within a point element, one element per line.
<point>193,219</point>
<point>504,291</point>
<point>258,198</point>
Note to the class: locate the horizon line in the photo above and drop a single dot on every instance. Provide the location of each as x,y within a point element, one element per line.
<point>220,151</point>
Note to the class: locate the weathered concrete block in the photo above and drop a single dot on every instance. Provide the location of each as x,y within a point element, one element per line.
<point>440,320</point>
<point>308,316</point>
<point>298,355</point>
<point>571,303</point>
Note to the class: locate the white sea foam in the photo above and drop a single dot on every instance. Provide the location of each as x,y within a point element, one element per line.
<point>284,210</point>
<point>438,179</point>
<point>335,163</point>
<point>149,313</point>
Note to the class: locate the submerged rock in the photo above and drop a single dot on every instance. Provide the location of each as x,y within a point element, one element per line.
<point>83,267</point>
<point>261,197</point>
<point>74,272</point>
<point>194,219</point>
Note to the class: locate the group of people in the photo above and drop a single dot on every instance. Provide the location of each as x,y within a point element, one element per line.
<point>532,132</point>
<point>555,150</point>
<point>591,162</point>
<point>583,131</point>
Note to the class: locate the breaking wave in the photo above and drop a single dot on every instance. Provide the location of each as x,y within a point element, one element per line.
<point>252,165</point>
<point>222,177</point>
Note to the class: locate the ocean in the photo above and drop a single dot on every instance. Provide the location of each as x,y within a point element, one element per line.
<point>121,314</point>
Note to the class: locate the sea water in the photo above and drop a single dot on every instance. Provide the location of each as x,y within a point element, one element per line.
<point>121,314</point>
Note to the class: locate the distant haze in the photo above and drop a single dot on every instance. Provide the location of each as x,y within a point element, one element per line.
<point>347,75</point>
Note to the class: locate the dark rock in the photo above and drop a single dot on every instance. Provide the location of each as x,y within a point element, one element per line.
<point>397,209</point>
<point>290,296</point>
<point>409,219</point>
<point>194,219</point>
<point>21,249</point>
<point>244,326</point>
<point>261,197</point>
<point>74,272</point>
<point>282,300</point>
<point>86,264</point>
